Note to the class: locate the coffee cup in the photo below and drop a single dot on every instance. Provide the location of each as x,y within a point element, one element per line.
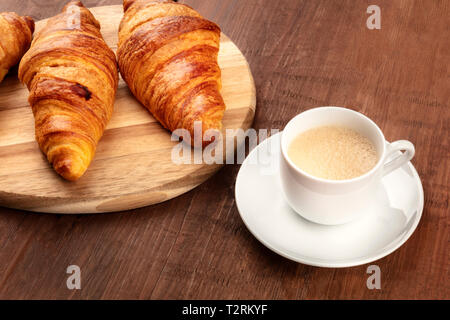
<point>334,202</point>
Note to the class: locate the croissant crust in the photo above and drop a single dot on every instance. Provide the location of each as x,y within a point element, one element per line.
<point>15,39</point>
<point>72,77</point>
<point>168,55</point>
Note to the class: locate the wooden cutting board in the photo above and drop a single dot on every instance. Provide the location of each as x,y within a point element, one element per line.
<point>132,167</point>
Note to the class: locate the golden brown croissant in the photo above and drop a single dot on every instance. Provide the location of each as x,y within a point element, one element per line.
<point>15,37</point>
<point>168,56</point>
<point>72,77</point>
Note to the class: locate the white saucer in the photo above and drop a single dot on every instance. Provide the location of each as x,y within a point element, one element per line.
<point>379,231</point>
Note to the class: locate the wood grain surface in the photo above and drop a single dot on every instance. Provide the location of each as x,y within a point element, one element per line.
<point>133,164</point>
<point>303,54</point>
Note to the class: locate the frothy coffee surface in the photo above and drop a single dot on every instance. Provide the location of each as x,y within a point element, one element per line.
<point>334,153</point>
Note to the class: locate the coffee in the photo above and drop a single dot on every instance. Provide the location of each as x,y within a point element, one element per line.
<point>333,153</point>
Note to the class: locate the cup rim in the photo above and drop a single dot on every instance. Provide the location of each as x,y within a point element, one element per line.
<point>329,181</point>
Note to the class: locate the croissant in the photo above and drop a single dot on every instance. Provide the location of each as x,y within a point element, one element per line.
<point>167,55</point>
<point>15,38</point>
<point>72,77</point>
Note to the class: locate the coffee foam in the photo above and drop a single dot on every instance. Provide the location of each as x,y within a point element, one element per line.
<point>333,153</point>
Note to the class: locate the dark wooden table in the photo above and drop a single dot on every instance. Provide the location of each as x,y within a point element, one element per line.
<point>303,54</point>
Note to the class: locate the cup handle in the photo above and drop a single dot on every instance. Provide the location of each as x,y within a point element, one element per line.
<point>400,160</point>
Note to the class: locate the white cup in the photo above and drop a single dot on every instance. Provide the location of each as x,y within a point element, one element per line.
<point>333,202</point>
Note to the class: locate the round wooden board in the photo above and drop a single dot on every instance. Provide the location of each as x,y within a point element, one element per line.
<point>132,167</point>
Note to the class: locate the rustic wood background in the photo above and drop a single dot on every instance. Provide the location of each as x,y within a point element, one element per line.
<point>303,54</point>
